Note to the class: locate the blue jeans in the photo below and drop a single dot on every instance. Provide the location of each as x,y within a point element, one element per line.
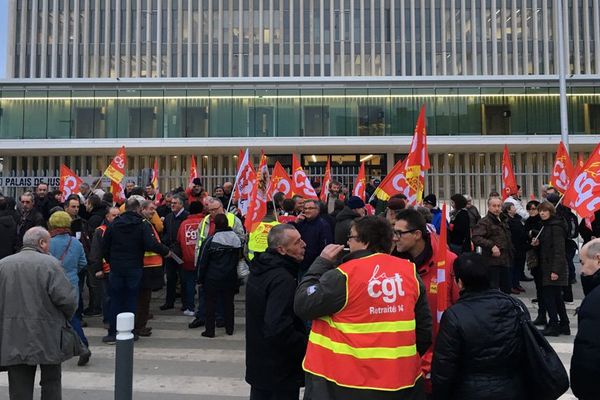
<point>124,287</point>
<point>76,324</point>
<point>188,288</point>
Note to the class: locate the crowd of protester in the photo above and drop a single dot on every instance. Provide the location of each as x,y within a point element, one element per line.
<point>306,322</point>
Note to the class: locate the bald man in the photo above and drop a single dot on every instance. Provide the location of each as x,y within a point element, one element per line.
<point>585,364</point>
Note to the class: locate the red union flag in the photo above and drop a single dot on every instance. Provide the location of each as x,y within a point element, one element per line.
<point>154,181</point>
<point>244,183</point>
<point>280,182</point>
<point>193,170</point>
<point>69,182</point>
<point>116,169</point>
<point>360,183</point>
<point>442,270</point>
<point>326,181</point>
<point>417,161</point>
<point>300,183</point>
<point>563,169</point>
<point>118,192</point>
<point>509,182</point>
<point>395,183</point>
<point>257,207</point>
<point>583,195</point>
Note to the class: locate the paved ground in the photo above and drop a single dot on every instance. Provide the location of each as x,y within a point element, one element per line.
<point>176,363</point>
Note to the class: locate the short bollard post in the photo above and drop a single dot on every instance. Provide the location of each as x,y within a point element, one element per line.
<point>124,357</point>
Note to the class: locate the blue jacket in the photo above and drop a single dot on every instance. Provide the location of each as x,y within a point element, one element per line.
<point>437,219</point>
<point>316,234</point>
<point>74,260</point>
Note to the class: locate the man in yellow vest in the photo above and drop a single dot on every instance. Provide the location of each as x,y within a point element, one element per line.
<point>371,320</point>
<point>206,229</point>
<point>152,276</point>
<point>257,240</point>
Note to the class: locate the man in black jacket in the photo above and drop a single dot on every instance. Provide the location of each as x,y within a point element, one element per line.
<point>169,238</point>
<point>275,337</point>
<point>585,364</point>
<point>125,242</point>
<point>26,217</point>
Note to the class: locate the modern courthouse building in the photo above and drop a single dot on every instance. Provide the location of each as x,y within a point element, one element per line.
<point>346,78</point>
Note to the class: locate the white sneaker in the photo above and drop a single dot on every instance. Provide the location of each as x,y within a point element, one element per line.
<point>189,313</point>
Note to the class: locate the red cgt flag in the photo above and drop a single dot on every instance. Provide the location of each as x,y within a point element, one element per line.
<point>244,182</point>
<point>280,182</point>
<point>579,165</point>
<point>326,181</point>
<point>154,181</point>
<point>257,207</point>
<point>509,182</point>
<point>300,183</point>
<point>417,161</point>
<point>360,183</point>
<point>395,183</point>
<point>118,192</point>
<point>442,270</point>
<point>69,182</point>
<point>563,169</point>
<point>116,169</point>
<point>583,195</point>
<point>193,170</point>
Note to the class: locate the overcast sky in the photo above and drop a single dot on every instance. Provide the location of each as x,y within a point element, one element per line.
<point>3,35</point>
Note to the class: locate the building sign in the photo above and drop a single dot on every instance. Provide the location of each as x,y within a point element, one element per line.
<point>29,181</point>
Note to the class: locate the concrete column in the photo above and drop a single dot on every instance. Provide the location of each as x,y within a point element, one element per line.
<point>33,29</point>
<point>44,43</point>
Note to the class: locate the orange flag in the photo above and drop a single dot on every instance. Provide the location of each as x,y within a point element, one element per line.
<point>118,192</point>
<point>300,183</point>
<point>280,182</point>
<point>509,182</point>
<point>69,182</point>
<point>563,170</point>
<point>395,183</point>
<point>442,269</point>
<point>154,180</point>
<point>257,207</point>
<point>116,169</point>
<point>417,161</point>
<point>583,194</point>
<point>326,181</point>
<point>360,183</point>
<point>193,170</point>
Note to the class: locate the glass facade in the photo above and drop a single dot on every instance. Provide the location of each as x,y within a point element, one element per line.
<point>252,112</point>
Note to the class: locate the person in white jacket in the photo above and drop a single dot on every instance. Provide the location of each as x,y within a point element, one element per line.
<point>515,199</point>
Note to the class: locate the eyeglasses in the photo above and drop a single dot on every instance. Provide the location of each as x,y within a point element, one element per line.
<point>532,209</point>
<point>400,233</point>
<point>355,237</point>
<point>310,208</point>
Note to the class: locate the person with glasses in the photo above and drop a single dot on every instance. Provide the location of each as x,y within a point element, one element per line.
<point>315,232</point>
<point>413,242</point>
<point>363,312</point>
<point>27,217</point>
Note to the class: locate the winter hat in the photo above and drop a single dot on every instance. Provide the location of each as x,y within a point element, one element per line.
<point>430,199</point>
<point>197,182</point>
<point>59,219</point>
<point>355,202</point>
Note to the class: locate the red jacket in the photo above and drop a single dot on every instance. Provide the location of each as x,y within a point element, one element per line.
<point>187,236</point>
<point>428,273</point>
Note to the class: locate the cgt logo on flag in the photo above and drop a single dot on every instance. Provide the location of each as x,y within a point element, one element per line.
<point>191,235</point>
<point>586,185</point>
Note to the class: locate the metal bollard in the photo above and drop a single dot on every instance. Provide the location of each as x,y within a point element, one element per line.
<point>124,357</point>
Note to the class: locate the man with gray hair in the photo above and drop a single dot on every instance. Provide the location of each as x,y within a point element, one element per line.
<point>35,278</point>
<point>275,337</point>
<point>585,363</point>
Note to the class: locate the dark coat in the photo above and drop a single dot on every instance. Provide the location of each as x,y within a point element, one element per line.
<point>551,252</point>
<point>126,240</point>
<point>490,231</point>
<point>343,221</point>
<point>45,204</point>
<point>518,234</point>
<point>587,233</point>
<point>217,263</point>
<point>169,235</point>
<point>585,363</point>
<point>478,351</point>
<point>459,231</point>
<point>316,234</point>
<point>95,219</point>
<point>8,234</point>
<point>25,222</point>
<point>275,337</point>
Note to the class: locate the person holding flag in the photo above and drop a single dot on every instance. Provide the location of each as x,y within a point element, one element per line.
<point>511,192</point>
<point>434,264</point>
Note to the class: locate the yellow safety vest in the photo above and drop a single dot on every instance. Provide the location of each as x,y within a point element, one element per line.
<point>257,242</point>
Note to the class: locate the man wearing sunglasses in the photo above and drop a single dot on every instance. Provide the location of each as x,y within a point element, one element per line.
<point>415,243</point>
